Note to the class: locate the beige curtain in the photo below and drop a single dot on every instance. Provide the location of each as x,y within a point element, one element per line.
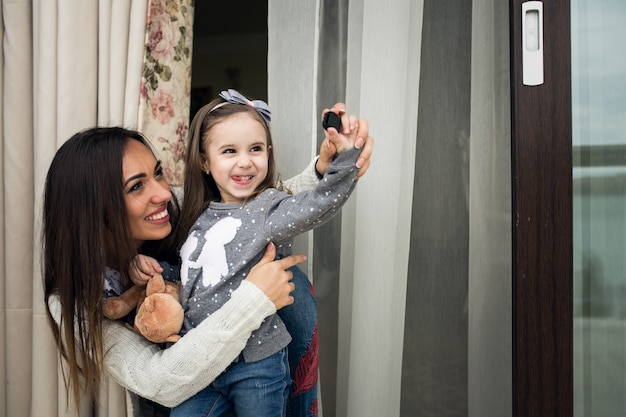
<point>66,65</point>
<point>18,198</point>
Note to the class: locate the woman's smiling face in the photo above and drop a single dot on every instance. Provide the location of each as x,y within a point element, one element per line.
<point>146,193</point>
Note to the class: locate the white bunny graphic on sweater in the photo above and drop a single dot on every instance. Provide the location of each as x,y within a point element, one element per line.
<point>212,256</point>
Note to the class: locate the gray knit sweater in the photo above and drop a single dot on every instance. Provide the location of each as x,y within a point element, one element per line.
<point>228,239</point>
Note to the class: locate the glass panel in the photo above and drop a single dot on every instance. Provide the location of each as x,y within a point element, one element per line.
<point>599,206</point>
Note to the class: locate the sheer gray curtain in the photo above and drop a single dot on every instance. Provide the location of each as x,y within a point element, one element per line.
<point>413,281</point>
<point>374,238</point>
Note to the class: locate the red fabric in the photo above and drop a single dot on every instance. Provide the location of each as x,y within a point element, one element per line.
<point>306,374</point>
<point>313,409</point>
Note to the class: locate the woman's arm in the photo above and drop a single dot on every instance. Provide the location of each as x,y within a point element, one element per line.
<point>172,375</point>
<point>306,180</point>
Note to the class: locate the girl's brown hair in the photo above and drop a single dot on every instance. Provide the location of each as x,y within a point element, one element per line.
<point>200,188</point>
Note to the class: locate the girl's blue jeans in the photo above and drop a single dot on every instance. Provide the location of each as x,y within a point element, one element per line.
<point>254,389</point>
<point>301,321</point>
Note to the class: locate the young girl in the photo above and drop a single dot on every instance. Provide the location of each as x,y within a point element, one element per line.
<point>243,211</point>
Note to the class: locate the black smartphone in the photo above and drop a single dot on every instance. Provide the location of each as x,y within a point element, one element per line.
<point>331,120</point>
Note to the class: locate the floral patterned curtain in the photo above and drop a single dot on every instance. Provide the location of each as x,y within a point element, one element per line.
<point>166,82</point>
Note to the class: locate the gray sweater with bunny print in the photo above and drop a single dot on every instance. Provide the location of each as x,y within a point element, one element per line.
<point>228,239</point>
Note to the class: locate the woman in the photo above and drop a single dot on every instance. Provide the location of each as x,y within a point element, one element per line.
<point>104,202</point>
<point>105,197</point>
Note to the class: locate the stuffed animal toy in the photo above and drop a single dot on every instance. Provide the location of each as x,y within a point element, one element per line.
<point>159,315</point>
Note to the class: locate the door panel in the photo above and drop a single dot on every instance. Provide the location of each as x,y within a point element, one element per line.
<point>542,221</point>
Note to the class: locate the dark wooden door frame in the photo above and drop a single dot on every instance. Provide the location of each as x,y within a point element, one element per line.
<point>542,221</point>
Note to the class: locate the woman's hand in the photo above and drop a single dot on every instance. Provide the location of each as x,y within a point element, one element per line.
<point>348,124</point>
<point>273,278</point>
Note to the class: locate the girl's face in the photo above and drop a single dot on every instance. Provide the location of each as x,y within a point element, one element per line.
<point>146,194</point>
<point>237,156</point>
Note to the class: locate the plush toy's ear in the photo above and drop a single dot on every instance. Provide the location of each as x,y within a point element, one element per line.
<point>172,288</point>
<point>155,285</point>
<point>117,307</point>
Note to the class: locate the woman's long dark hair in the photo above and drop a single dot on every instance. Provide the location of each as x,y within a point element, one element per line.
<point>85,229</point>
